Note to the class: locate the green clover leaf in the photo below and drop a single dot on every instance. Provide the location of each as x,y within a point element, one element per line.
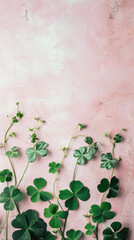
<point>34,138</point>
<point>13,153</point>
<point>88,140</point>
<point>113,187</point>
<point>73,235</point>
<point>113,233</point>
<point>82,155</point>
<point>118,138</point>
<point>49,236</point>
<point>90,229</point>
<point>5,176</point>
<point>52,211</point>
<point>54,167</point>
<point>103,186</point>
<point>78,191</point>
<point>19,114</point>
<point>101,213</point>
<point>40,150</point>
<point>30,226</point>
<point>9,195</point>
<point>35,192</point>
<point>81,126</point>
<point>14,119</point>
<point>108,161</point>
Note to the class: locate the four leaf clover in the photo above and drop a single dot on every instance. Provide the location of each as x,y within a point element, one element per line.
<point>35,192</point>
<point>113,233</point>
<point>40,149</point>
<point>52,211</point>
<point>108,161</point>
<point>5,176</point>
<point>101,213</point>
<point>31,226</point>
<point>78,191</point>
<point>82,155</point>
<point>112,186</point>
<point>54,167</point>
<point>13,153</point>
<point>118,138</point>
<point>9,195</point>
<point>73,235</point>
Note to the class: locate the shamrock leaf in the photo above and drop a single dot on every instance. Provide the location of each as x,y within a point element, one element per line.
<point>73,235</point>
<point>82,155</point>
<point>35,192</point>
<point>101,213</point>
<point>108,161</point>
<point>9,195</point>
<point>49,236</point>
<point>34,138</point>
<point>78,191</point>
<point>113,186</point>
<point>19,114</point>
<point>12,134</point>
<point>13,153</point>
<point>90,229</point>
<point>113,233</point>
<point>81,126</point>
<point>103,186</point>
<point>40,150</point>
<point>52,211</point>
<point>118,138</point>
<point>88,140</point>
<point>30,226</point>
<point>14,120</point>
<point>5,176</point>
<point>54,167</point>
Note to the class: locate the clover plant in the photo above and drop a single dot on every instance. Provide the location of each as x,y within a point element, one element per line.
<point>27,225</point>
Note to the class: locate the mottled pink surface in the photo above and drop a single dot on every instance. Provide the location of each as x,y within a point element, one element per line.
<point>70,61</point>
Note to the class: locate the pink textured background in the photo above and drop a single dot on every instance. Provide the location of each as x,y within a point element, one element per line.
<point>70,61</point>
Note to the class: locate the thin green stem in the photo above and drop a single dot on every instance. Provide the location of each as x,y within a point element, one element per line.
<point>96,232</point>
<point>62,234</point>
<point>7,215</point>
<point>56,176</point>
<point>3,226</point>
<point>74,170</point>
<point>23,174</point>
<point>5,140</point>
<point>79,136</point>
<point>17,207</point>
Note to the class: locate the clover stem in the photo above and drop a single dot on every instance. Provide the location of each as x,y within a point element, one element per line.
<point>23,174</point>
<point>65,222</point>
<point>74,170</point>
<point>79,136</point>
<point>5,140</point>
<point>113,149</point>
<point>3,226</point>
<point>7,215</point>
<point>62,234</point>
<point>96,232</point>
<point>56,176</point>
<point>17,207</point>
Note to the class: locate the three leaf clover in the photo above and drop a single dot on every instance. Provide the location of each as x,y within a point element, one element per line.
<point>73,235</point>
<point>88,140</point>
<point>9,195</point>
<point>54,167</point>
<point>78,191</point>
<point>82,155</point>
<point>90,229</point>
<point>40,149</point>
<point>113,233</point>
<point>112,186</point>
<point>52,211</point>
<point>118,138</point>
<point>30,226</point>
<point>13,153</point>
<point>35,192</point>
<point>34,138</point>
<point>5,176</point>
<point>108,161</point>
<point>101,213</point>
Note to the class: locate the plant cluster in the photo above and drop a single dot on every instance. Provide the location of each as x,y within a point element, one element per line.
<point>28,225</point>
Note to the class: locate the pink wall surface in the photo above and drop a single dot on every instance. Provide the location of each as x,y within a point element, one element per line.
<point>69,61</point>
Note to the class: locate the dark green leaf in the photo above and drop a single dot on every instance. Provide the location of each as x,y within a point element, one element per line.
<point>118,138</point>
<point>73,235</point>
<point>88,140</point>
<point>108,161</point>
<point>5,176</point>
<point>116,226</point>
<point>103,186</point>
<point>55,222</point>
<point>81,126</point>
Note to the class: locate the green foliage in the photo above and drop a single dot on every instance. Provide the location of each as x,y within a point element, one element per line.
<point>9,195</point>
<point>81,126</point>
<point>14,119</point>
<point>114,233</point>
<point>82,155</point>
<point>88,140</point>
<point>30,226</point>
<point>78,191</point>
<point>54,167</point>
<point>34,137</point>
<point>90,229</point>
<point>40,149</point>
<point>13,153</point>
<point>12,134</point>
<point>19,114</point>
<point>102,212</point>
<point>52,211</point>
<point>35,192</point>
<point>118,138</point>
<point>108,161</point>
<point>73,235</point>
<point>112,186</point>
<point>5,176</point>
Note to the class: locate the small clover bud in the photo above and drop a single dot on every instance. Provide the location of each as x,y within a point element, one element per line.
<point>106,134</point>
